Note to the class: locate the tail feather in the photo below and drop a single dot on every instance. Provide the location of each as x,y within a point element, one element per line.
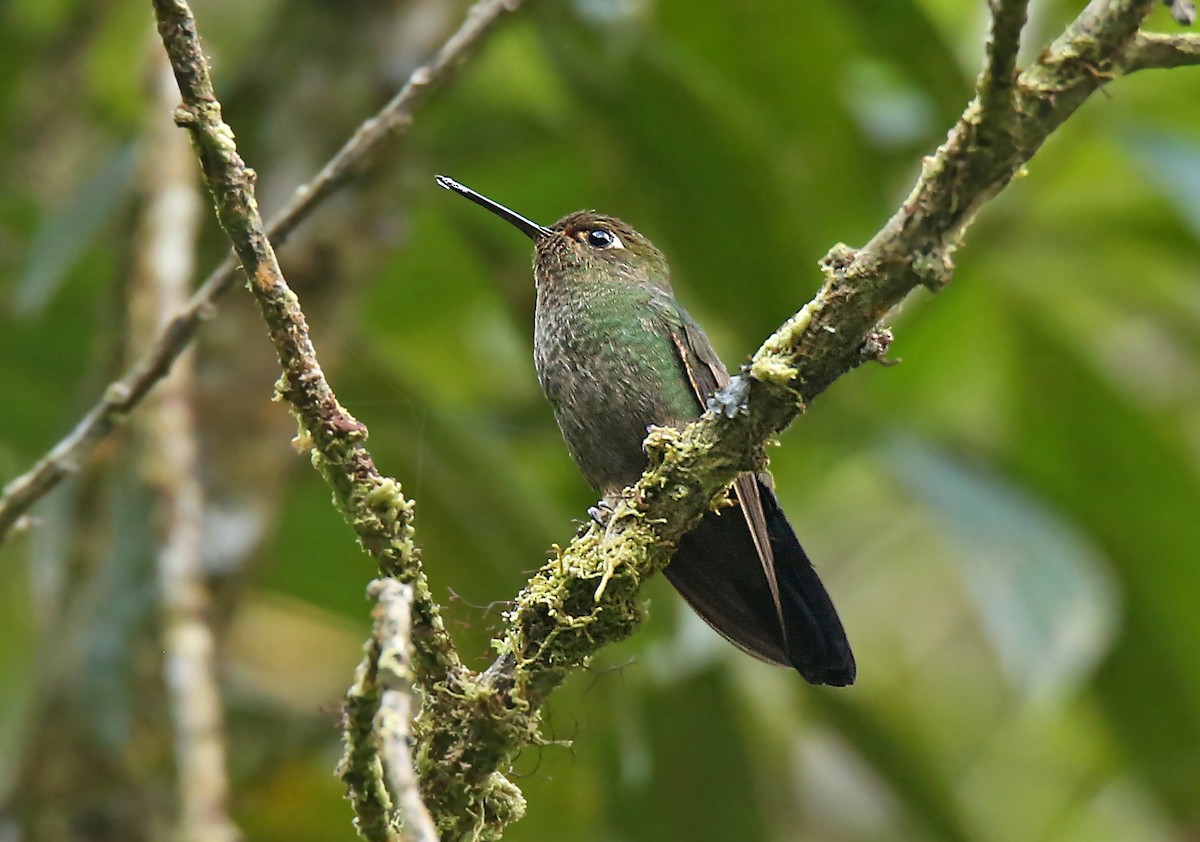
<point>716,568</point>
<point>816,641</point>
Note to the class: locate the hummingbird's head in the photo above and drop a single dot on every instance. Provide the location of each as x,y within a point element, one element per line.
<point>587,246</point>
<point>582,247</point>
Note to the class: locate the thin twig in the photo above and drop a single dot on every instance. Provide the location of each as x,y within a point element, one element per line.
<point>169,225</point>
<point>123,395</point>
<point>393,722</point>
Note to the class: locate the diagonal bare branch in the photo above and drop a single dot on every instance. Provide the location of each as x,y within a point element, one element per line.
<point>122,396</point>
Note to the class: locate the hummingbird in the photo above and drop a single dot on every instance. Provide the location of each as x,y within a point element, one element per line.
<point>616,353</point>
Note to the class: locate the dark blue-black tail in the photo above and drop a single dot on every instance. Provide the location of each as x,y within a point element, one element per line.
<point>816,642</point>
<point>718,570</point>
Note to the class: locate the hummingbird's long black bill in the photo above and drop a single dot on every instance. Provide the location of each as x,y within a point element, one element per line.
<point>530,229</point>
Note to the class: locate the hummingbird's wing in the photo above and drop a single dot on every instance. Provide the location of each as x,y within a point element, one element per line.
<point>707,374</point>
<point>746,575</point>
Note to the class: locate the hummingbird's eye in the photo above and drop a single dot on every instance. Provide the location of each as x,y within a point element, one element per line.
<point>602,238</point>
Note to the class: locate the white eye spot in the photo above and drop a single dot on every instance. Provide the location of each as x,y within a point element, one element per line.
<point>602,238</point>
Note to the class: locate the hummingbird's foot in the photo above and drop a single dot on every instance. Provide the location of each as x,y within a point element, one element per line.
<point>732,399</point>
<point>601,513</point>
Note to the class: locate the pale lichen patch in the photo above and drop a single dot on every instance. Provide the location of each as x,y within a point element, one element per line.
<point>773,363</point>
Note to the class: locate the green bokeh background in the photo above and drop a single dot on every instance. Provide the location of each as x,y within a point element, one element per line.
<point>1009,521</point>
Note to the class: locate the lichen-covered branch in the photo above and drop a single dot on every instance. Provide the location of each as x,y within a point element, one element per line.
<point>377,765</point>
<point>123,395</point>
<point>361,767</point>
<point>915,247</point>
<point>393,722</point>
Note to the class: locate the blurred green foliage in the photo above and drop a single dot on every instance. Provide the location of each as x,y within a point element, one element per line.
<point>1008,521</point>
